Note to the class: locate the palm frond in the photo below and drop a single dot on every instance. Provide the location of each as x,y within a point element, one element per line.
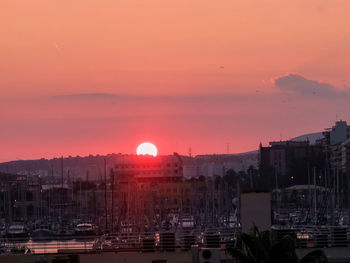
<point>316,256</point>
<point>284,251</point>
<point>241,256</point>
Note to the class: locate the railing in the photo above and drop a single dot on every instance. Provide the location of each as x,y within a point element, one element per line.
<point>141,242</point>
<point>304,236</point>
<point>315,236</point>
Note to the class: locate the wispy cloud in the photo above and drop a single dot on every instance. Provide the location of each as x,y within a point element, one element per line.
<point>86,96</point>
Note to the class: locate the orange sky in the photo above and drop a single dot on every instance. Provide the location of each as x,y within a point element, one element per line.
<point>187,73</point>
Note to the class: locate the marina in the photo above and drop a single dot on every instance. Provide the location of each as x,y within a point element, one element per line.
<point>129,241</point>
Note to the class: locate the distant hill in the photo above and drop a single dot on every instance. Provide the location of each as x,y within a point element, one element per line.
<point>311,137</point>
<point>79,167</point>
<point>93,166</point>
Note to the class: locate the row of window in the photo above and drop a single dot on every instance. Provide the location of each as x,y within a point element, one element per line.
<point>146,166</point>
<point>168,190</point>
<point>158,171</point>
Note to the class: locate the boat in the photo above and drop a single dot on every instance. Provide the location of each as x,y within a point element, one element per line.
<point>84,229</point>
<point>42,234</point>
<point>17,231</point>
<point>188,221</point>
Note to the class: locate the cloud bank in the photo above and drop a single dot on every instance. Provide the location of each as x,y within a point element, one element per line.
<point>298,84</point>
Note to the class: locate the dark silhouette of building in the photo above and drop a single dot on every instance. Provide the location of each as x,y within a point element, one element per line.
<point>20,197</point>
<point>287,163</point>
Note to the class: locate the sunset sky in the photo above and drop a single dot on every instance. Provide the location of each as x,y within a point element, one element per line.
<point>101,76</point>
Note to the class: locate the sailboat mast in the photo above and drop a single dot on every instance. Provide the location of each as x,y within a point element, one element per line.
<point>61,195</point>
<point>105,174</point>
<point>315,197</point>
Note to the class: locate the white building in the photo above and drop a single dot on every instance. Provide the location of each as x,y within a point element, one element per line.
<point>339,133</point>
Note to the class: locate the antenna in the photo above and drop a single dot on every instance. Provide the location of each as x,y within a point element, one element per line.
<point>190,152</point>
<point>228,147</point>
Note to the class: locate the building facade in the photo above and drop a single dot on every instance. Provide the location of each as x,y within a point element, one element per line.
<point>287,163</point>
<point>336,146</point>
<point>151,192</point>
<point>20,197</point>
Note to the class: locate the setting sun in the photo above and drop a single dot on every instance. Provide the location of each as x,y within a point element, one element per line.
<point>147,148</point>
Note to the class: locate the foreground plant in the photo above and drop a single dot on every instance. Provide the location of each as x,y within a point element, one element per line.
<point>258,247</point>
